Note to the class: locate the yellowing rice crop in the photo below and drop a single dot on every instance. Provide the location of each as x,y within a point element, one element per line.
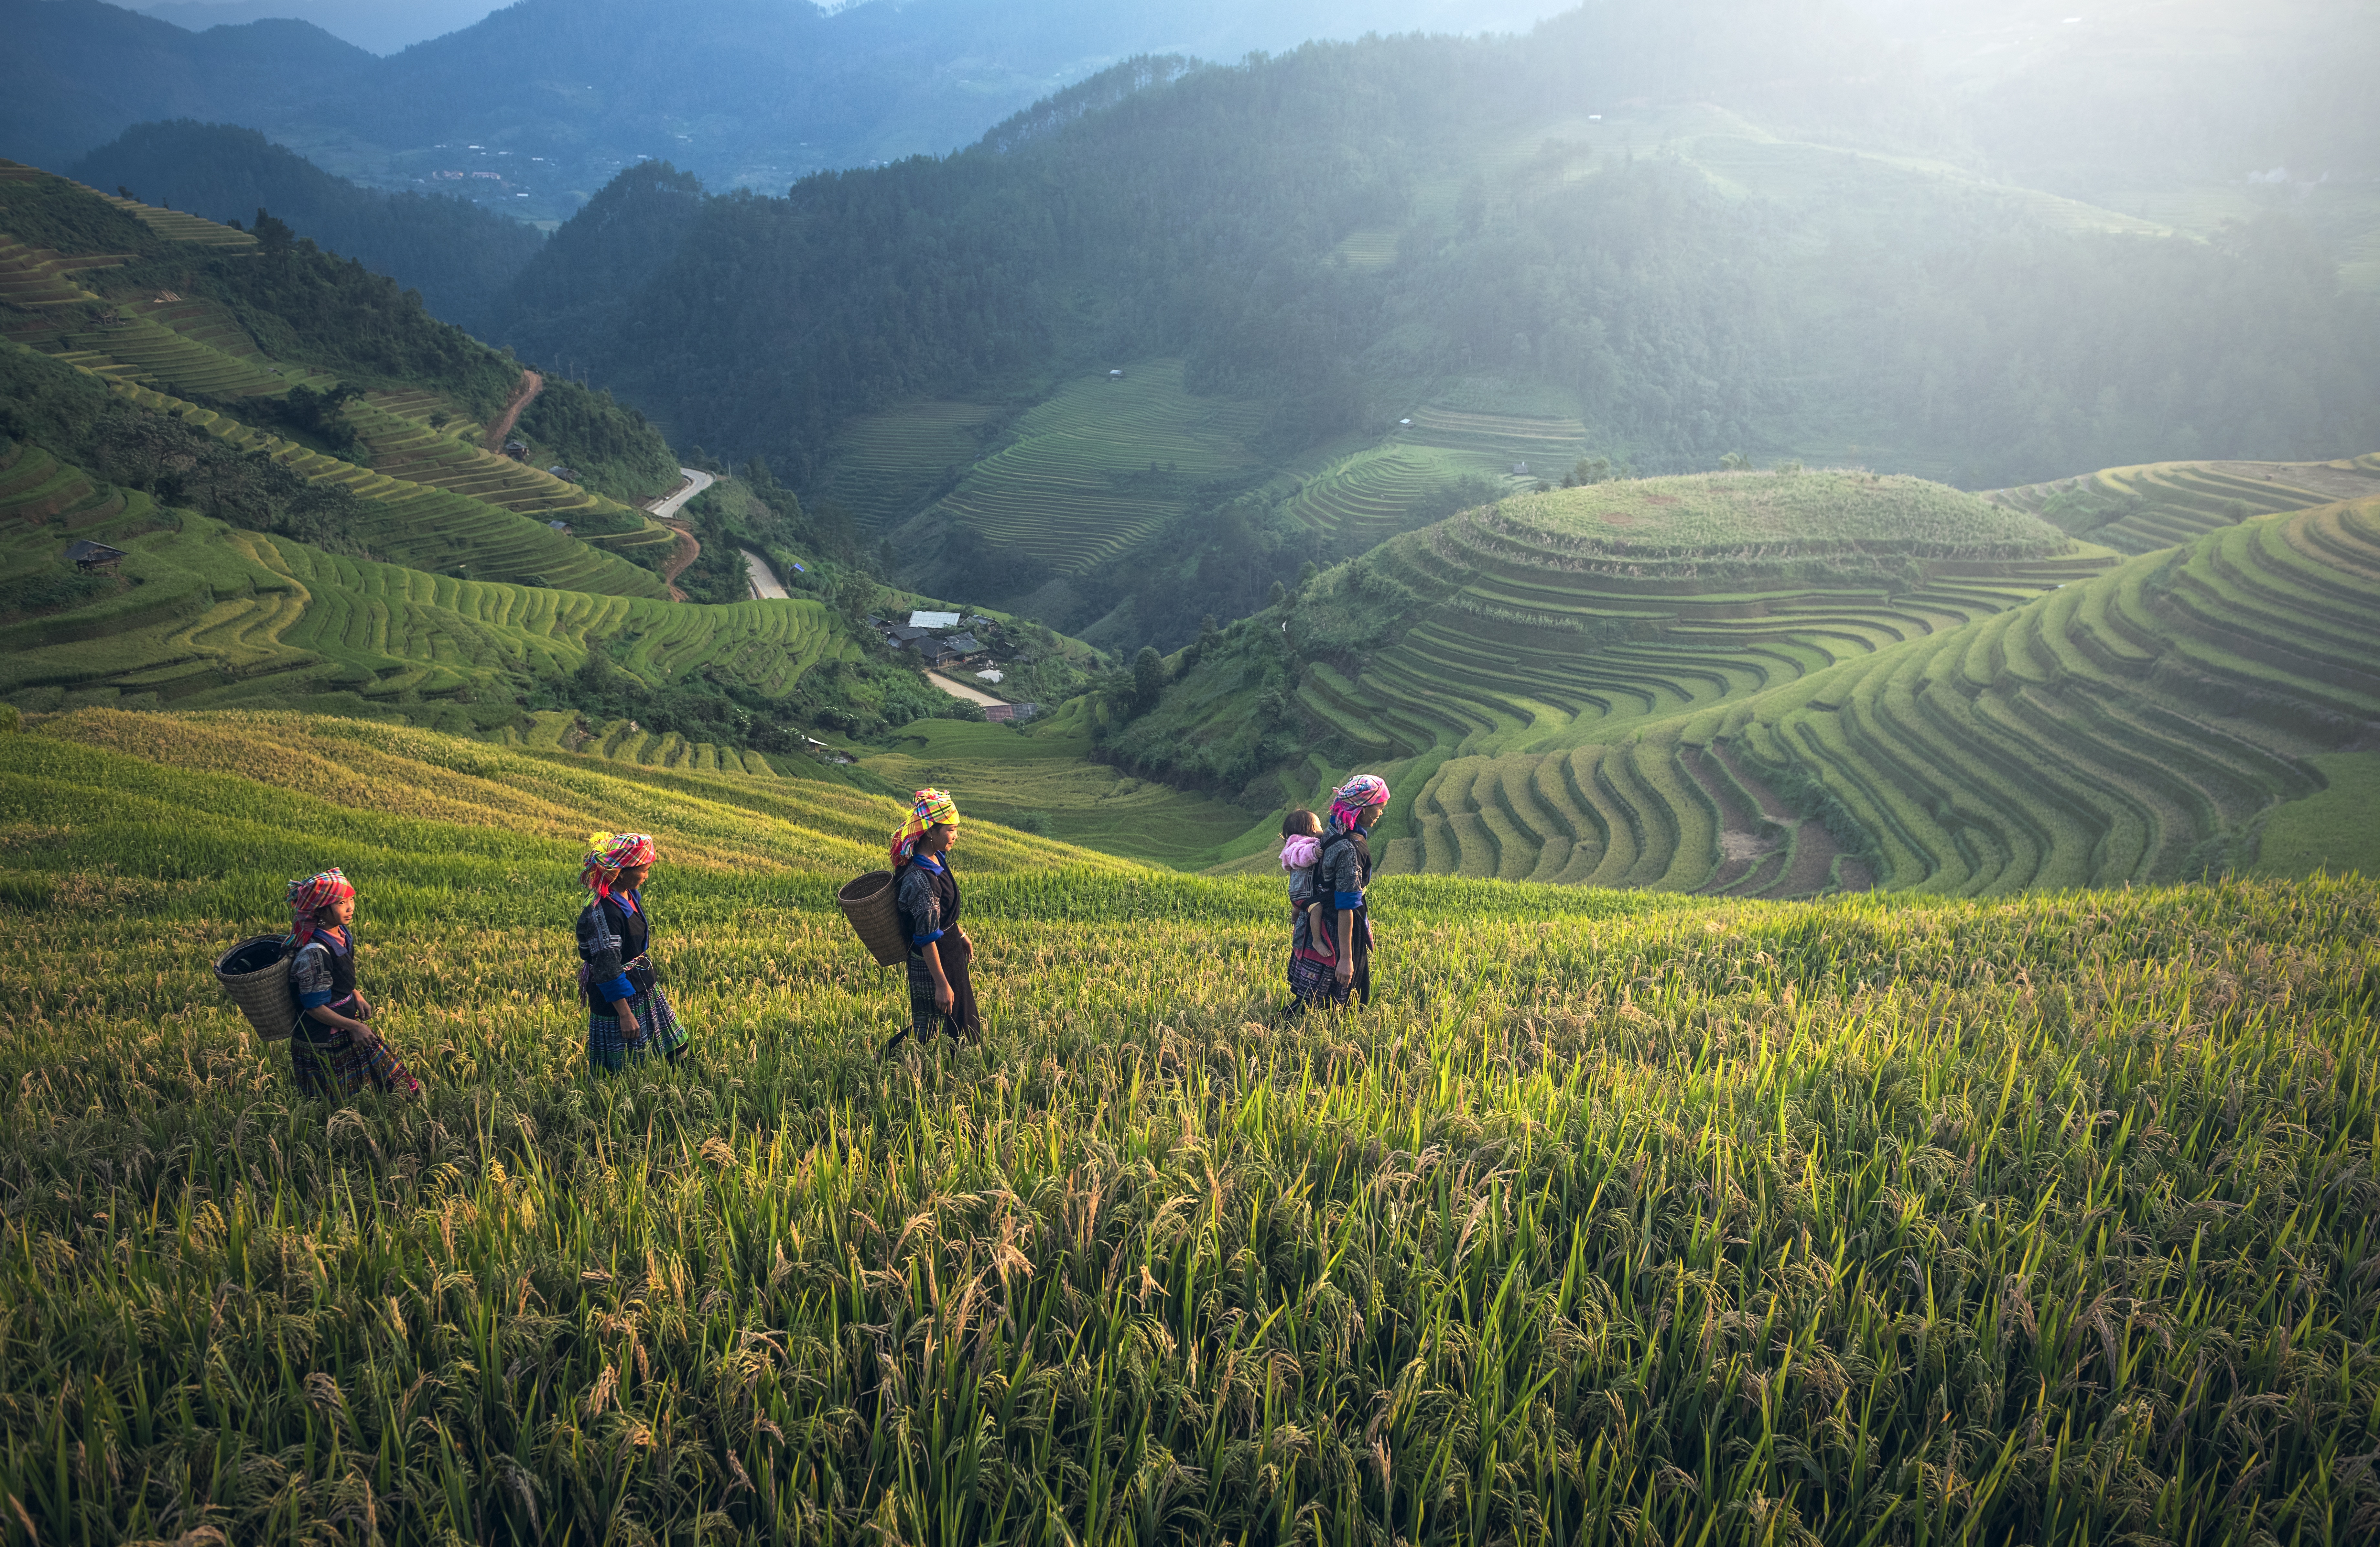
<point>1616,1218</point>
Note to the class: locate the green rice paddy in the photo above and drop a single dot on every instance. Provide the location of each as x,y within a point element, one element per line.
<point>1049,781</point>
<point>1100,463</point>
<point>1614,1218</point>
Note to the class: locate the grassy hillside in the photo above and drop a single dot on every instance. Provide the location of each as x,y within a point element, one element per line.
<point>1855,1220</point>
<point>459,255</point>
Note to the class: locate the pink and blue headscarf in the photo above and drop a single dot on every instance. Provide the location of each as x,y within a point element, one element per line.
<point>1356,796</point>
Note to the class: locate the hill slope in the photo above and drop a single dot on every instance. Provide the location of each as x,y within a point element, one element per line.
<point>1659,703</point>
<point>1844,1139</point>
<point>459,255</point>
<point>290,540</point>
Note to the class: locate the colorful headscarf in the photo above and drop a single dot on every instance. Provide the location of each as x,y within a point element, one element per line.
<point>309,894</point>
<point>928,809</point>
<point>1357,795</point>
<point>609,854</point>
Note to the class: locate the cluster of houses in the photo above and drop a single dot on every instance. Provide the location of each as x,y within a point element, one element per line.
<point>936,638</point>
<point>947,640</point>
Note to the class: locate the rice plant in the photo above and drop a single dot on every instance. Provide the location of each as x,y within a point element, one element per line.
<point>1615,1218</point>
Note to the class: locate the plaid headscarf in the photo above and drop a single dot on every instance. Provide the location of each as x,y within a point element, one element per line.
<point>310,893</point>
<point>928,809</point>
<point>1357,795</point>
<point>609,854</point>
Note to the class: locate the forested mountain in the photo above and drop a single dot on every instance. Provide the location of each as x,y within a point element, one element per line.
<point>460,256</point>
<point>368,24</point>
<point>76,73</point>
<point>551,98</point>
<point>1328,241</point>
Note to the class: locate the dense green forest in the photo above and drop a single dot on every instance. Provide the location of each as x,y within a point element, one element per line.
<point>458,255</point>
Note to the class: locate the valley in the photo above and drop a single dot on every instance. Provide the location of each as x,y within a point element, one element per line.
<point>1857,555</point>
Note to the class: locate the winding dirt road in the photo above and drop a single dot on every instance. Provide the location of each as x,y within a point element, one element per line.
<point>524,394</point>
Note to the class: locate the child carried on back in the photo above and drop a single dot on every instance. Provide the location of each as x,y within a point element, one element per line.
<point>1301,833</point>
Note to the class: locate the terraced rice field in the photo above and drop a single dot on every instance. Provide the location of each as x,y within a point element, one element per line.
<point>434,528</point>
<point>1100,466</point>
<point>1527,647</point>
<point>407,447</point>
<point>2132,727</point>
<point>890,466</point>
<point>217,615</point>
<point>2139,510</point>
<point>1365,499</point>
<point>1497,445</point>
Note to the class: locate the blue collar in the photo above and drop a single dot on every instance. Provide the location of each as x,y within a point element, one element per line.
<point>929,862</point>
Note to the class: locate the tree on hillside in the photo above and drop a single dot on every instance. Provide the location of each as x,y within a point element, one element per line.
<point>1147,679</point>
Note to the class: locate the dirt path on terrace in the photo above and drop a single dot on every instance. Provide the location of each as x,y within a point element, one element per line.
<point>960,689</point>
<point>531,383</point>
<point>684,551</point>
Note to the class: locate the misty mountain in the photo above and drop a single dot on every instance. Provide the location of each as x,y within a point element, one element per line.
<point>458,255</point>
<point>370,24</point>
<point>76,73</point>
<point>1335,234</point>
<point>549,98</point>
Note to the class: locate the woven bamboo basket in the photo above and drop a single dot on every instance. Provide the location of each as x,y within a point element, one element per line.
<point>868,902</point>
<point>256,975</point>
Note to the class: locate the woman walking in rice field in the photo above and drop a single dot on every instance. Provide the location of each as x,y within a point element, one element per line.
<point>628,1015</point>
<point>1343,874</point>
<point>941,995</point>
<point>332,1054</point>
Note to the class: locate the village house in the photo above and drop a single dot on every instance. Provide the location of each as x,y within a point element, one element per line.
<point>88,555</point>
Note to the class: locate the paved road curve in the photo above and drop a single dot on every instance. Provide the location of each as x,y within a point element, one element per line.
<point>764,583</point>
<point>697,482</point>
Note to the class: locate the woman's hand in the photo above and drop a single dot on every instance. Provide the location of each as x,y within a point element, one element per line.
<point>943,997</point>
<point>628,1015</point>
<point>363,1008</point>
<point>1346,971</point>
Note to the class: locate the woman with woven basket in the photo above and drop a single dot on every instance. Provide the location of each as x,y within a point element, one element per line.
<point>628,1017</point>
<point>941,996</point>
<point>332,1054</point>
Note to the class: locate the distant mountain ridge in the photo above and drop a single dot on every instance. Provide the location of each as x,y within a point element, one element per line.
<point>77,73</point>
<point>756,92</point>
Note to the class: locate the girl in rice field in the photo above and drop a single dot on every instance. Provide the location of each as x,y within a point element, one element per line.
<point>628,1016</point>
<point>941,995</point>
<point>332,1054</point>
